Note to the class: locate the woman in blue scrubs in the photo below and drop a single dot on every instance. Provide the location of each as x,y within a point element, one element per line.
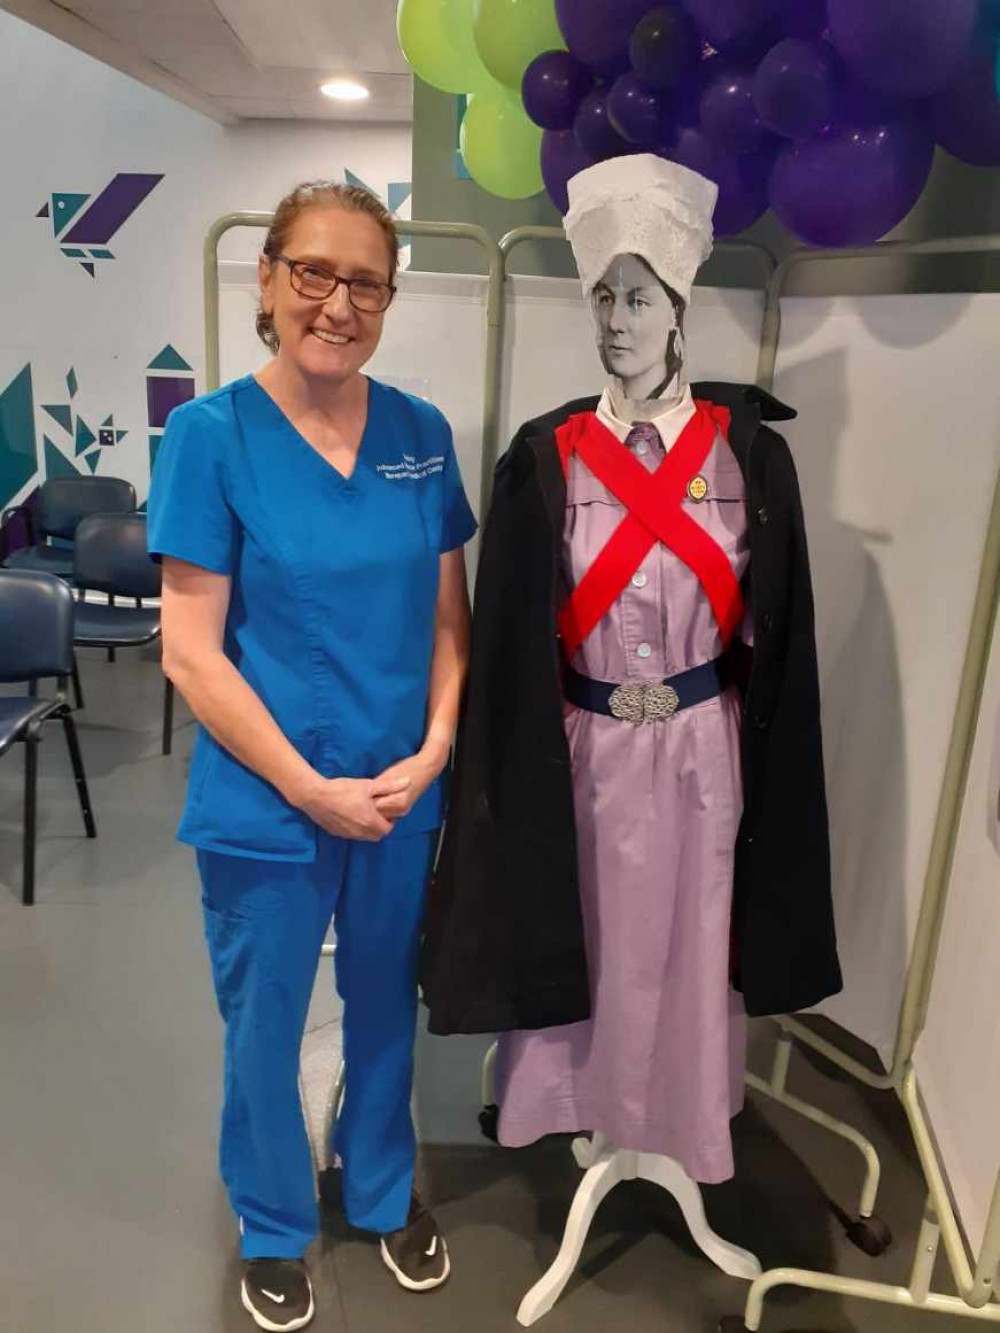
<point>310,522</point>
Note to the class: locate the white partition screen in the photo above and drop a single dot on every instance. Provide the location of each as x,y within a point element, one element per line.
<point>897,445</point>
<point>958,1059</point>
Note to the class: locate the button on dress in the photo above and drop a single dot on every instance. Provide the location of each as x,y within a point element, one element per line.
<point>659,1067</point>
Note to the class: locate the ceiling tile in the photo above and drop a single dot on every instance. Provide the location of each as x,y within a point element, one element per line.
<point>341,35</point>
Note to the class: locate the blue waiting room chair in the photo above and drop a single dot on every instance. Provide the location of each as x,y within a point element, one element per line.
<point>110,556</point>
<point>62,504</point>
<point>36,643</point>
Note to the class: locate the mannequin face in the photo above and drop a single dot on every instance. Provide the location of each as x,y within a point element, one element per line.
<point>639,325</point>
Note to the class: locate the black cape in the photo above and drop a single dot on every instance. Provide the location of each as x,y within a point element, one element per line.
<point>504,943</point>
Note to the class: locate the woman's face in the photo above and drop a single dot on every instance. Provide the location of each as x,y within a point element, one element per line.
<point>327,338</point>
<point>638,327</point>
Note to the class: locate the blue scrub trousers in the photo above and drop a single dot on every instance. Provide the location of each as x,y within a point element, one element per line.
<point>265,924</point>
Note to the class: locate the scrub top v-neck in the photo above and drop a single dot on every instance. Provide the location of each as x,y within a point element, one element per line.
<point>334,588</point>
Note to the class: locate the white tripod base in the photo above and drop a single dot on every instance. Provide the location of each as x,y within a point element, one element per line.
<point>605,1167</point>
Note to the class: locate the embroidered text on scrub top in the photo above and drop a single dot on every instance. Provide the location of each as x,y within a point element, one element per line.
<point>411,469</point>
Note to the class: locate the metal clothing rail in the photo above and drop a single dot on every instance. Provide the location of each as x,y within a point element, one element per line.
<point>458,231</point>
<point>975,1275</point>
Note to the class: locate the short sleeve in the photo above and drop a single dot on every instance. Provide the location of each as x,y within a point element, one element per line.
<point>188,513</point>
<point>458,524</point>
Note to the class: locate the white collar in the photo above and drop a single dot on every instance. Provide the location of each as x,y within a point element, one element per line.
<point>669,417</point>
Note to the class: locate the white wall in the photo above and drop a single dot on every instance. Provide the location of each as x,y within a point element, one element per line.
<point>70,124</point>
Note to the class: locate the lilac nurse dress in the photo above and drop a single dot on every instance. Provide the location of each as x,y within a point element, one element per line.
<point>660,1065</point>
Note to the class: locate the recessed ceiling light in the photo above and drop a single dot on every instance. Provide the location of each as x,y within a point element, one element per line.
<point>345,90</point>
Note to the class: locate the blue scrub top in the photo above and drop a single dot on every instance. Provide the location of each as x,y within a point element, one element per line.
<point>334,589</point>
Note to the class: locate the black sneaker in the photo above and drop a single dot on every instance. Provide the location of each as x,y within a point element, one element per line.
<point>417,1254</point>
<point>278,1293</point>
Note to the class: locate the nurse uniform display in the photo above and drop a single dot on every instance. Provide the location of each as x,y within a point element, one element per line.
<point>637,853</point>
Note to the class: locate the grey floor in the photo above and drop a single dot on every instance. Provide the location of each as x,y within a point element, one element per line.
<point>111,1216</point>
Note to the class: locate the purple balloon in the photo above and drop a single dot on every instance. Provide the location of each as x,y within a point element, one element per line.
<point>554,86</point>
<point>863,107</point>
<point>795,88</point>
<point>598,31</point>
<point>594,131</point>
<point>728,112</point>
<point>853,185</point>
<point>562,158</point>
<point>641,116</point>
<point>664,44</point>
<point>741,178</point>
<point>909,48</point>
<point>802,18</point>
<point>965,118</point>
<point>728,23</point>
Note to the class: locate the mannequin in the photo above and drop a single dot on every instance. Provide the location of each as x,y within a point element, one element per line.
<point>658,1067</point>
<point>637,853</point>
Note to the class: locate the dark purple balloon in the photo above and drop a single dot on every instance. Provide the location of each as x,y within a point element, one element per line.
<point>598,31</point>
<point>795,87</point>
<point>732,22</point>
<point>909,48</point>
<point>728,112</point>
<point>741,178</point>
<point>801,18</point>
<point>562,158</point>
<point>858,105</point>
<point>965,118</point>
<point>853,185</point>
<point>641,116</point>
<point>594,131</point>
<point>554,86</point>
<point>663,46</point>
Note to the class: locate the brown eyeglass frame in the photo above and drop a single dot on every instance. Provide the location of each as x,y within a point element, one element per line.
<point>336,281</point>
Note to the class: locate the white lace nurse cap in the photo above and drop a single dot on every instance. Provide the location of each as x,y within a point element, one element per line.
<point>641,205</point>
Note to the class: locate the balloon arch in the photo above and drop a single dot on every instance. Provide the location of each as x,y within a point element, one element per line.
<point>827,111</point>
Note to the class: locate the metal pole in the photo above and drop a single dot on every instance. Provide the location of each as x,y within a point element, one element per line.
<point>952,245</point>
<point>459,231</point>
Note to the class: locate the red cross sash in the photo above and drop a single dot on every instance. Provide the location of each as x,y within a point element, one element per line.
<point>655,513</point>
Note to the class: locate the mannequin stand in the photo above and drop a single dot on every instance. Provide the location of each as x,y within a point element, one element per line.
<point>606,1166</point>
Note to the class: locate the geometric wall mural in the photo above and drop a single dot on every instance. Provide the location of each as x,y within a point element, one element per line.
<point>398,195</point>
<point>79,438</point>
<point>169,382</point>
<point>85,226</point>
<point>18,453</point>
<point>70,435</point>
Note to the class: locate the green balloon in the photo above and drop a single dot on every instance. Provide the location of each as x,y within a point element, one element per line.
<point>502,147</point>
<point>511,33</point>
<point>436,38</point>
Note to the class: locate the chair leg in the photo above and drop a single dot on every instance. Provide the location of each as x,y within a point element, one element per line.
<point>79,775</point>
<point>30,818</point>
<point>77,687</point>
<point>111,602</point>
<point>168,715</point>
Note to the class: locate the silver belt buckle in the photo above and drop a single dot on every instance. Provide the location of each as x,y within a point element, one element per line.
<point>640,703</point>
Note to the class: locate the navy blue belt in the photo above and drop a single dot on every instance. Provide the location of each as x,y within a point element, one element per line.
<point>648,701</point>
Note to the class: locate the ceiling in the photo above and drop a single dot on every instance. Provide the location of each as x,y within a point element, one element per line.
<point>243,59</point>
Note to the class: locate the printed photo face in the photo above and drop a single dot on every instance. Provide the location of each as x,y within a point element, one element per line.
<point>638,327</point>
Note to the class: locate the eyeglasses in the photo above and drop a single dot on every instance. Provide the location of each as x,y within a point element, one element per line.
<point>315,283</point>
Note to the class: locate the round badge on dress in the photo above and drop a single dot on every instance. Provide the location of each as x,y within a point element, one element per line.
<point>698,489</point>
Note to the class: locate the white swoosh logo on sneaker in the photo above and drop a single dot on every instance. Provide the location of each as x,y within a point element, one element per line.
<point>278,1300</point>
<point>433,1249</point>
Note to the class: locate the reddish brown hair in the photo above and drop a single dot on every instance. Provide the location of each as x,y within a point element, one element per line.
<point>322,194</point>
